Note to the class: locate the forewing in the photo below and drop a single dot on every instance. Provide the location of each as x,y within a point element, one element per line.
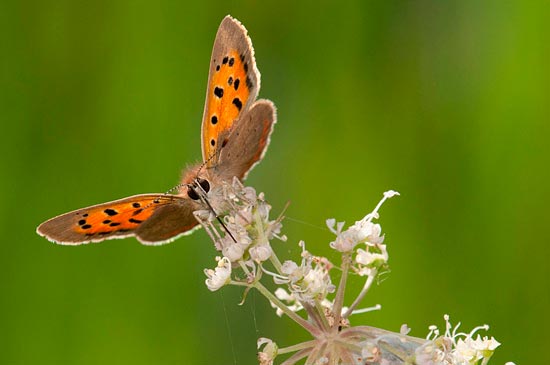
<point>233,85</point>
<point>247,142</point>
<point>132,216</point>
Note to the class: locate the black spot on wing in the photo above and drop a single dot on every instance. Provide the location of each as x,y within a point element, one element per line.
<point>136,205</point>
<point>218,91</point>
<point>236,84</point>
<point>238,103</point>
<point>86,226</point>
<point>136,221</point>
<point>225,59</point>
<point>110,212</point>
<point>214,119</point>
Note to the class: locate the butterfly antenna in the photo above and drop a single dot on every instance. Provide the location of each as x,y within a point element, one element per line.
<point>205,162</point>
<point>177,187</point>
<point>205,200</point>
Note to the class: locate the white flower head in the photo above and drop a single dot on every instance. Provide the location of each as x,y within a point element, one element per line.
<point>220,276</point>
<point>363,231</point>
<point>454,347</point>
<point>308,281</point>
<point>260,253</point>
<point>234,245</point>
<point>245,229</point>
<point>292,302</point>
<point>370,261</point>
<point>269,351</point>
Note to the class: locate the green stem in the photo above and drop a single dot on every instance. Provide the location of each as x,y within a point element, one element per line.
<point>276,263</point>
<point>315,332</point>
<point>298,347</point>
<point>297,357</point>
<point>238,283</point>
<point>339,300</point>
<point>315,315</point>
<point>366,287</point>
<point>244,268</point>
<point>321,311</point>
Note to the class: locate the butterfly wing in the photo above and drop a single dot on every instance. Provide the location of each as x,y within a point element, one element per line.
<point>233,85</point>
<point>152,218</point>
<point>247,141</point>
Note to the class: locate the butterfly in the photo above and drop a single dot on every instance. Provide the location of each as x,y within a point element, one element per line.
<point>236,130</point>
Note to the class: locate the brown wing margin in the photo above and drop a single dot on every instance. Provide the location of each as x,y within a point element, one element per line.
<point>137,216</point>
<point>248,141</point>
<point>168,223</point>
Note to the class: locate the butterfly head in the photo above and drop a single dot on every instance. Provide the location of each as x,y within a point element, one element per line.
<point>199,187</point>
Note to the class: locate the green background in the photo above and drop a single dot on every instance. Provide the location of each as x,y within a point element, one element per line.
<point>446,102</point>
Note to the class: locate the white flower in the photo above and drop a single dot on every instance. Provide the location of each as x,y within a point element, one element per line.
<point>368,258</point>
<point>455,348</point>
<point>220,276</point>
<point>371,260</point>
<point>292,271</point>
<point>234,251</point>
<point>292,302</point>
<point>269,352</point>
<point>346,241</point>
<point>373,234</point>
<point>474,350</point>
<point>307,282</point>
<point>487,344</point>
<point>245,230</point>
<point>363,231</point>
<point>316,284</point>
<point>260,253</point>
<point>465,351</point>
<point>234,245</point>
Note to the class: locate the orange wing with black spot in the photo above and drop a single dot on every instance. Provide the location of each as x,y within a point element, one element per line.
<point>233,85</point>
<point>235,133</point>
<point>151,218</point>
<point>247,142</point>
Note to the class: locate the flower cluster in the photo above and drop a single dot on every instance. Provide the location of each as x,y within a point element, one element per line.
<point>238,222</point>
<point>244,219</point>
<point>455,347</point>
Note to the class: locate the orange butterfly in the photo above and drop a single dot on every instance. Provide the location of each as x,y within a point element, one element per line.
<point>236,129</point>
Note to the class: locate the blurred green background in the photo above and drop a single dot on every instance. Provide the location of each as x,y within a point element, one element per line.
<point>445,101</point>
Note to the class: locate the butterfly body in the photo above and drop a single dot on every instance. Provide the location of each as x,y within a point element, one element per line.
<point>236,129</point>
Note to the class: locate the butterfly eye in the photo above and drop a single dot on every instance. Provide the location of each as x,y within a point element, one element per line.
<point>192,193</point>
<point>205,185</point>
